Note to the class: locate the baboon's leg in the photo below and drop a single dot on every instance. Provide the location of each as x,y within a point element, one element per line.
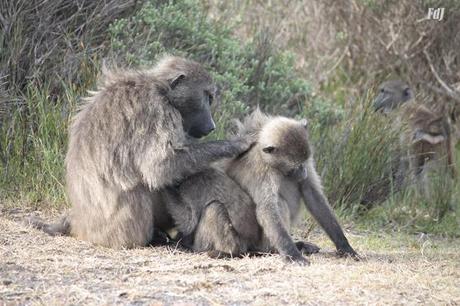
<point>185,211</point>
<point>127,224</point>
<point>215,232</point>
<point>403,176</point>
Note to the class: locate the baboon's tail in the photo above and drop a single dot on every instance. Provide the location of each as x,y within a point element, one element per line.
<point>61,228</point>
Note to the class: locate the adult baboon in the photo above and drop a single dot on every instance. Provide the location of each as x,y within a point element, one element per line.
<point>129,141</point>
<point>277,172</point>
<point>427,132</point>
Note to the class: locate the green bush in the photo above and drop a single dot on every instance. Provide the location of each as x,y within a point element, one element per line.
<point>249,73</point>
<point>355,154</point>
<point>34,139</point>
<point>34,146</point>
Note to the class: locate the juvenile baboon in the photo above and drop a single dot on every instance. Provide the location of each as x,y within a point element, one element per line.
<point>427,132</point>
<point>131,140</point>
<point>276,173</point>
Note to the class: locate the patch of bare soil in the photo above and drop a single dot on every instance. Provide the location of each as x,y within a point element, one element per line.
<point>38,269</point>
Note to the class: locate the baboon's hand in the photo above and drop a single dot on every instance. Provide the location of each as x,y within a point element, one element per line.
<point>348,252</point>
<point>243,144</point>
<point>298,259</point>
<point>307,248</point>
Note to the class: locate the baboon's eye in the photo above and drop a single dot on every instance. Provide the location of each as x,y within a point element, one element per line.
<point>406,92</point>
<point>210,98</point>
<point>269,149</point>
<point>174,82</point>
<point>382,90</point>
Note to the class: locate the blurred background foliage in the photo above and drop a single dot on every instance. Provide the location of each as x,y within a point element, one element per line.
<point>319,59</point>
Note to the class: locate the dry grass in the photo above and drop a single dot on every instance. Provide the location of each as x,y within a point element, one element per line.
<point>39,269</point>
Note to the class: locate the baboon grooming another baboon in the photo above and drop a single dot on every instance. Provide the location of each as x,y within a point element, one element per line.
<point>128,142</point>
<point>277,172</point>
<point>427,132</point>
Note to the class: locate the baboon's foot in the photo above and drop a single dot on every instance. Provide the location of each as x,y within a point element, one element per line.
<point>161,238</point>
<point>299,260</point>
<point>216,254</point>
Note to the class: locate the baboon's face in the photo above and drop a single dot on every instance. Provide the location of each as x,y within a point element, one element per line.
<point>391,95</point>
<point>289,150</point>
<point>193,98</point>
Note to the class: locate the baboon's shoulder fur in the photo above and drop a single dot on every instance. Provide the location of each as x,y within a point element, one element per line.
<point>128,122</point>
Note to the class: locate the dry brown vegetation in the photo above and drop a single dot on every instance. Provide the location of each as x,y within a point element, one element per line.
<point>363,41</point>
<point>50,54</point>
<point>37,269</point>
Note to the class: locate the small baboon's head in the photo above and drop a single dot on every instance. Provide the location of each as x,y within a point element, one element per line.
<point>283,145</point>
<point>392,94</point>
<point>192,91</point>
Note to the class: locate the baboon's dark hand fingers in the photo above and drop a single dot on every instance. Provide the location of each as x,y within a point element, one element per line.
<point>307,247</point>
<point>244,145</point>
<point>348,252</point>
<point>216,254</point>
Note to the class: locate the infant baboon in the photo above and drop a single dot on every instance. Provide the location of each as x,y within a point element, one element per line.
<point>428,133</point>
<point>276,173</point>
<point>129,142</point>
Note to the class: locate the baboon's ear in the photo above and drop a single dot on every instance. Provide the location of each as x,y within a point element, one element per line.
<point>431,139</point>
<point>304,123</point>
<point>269,149</point>
<point>173,83</point>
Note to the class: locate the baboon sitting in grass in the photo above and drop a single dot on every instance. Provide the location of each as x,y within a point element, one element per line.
<point>427,132</point>
<point>253,209</point>
<point>131,140</point>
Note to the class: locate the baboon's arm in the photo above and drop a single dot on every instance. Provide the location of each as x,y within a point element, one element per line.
<point>185,216</point>
<point>267,213</point>
<point>318,206</point>
<point>189,159</point>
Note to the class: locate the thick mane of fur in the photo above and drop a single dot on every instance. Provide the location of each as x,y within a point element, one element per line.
<point>252,124</point>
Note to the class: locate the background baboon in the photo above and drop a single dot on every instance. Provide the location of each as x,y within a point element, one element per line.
<point>129,141</point>
<point>427,132</point>
<point>392,94</point>
<point>276,173</point>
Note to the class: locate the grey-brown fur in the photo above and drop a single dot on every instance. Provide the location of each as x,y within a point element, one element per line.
<point>427,132</point>
<point>252,209</point>
<point>131,140</point>
<point>392,94</point>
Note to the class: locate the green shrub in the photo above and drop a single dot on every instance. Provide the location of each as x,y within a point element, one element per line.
<point>249,73</point>
<point>33,140</point>
<point>355,154</point>
<point>34,147</point>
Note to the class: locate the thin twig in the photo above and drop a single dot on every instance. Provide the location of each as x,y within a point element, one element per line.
<point>452,93</point>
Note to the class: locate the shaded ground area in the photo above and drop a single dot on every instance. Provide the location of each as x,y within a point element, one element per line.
<point>398,269</point>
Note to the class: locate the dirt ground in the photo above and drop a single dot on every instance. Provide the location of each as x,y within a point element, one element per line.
<point>37,269</point>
